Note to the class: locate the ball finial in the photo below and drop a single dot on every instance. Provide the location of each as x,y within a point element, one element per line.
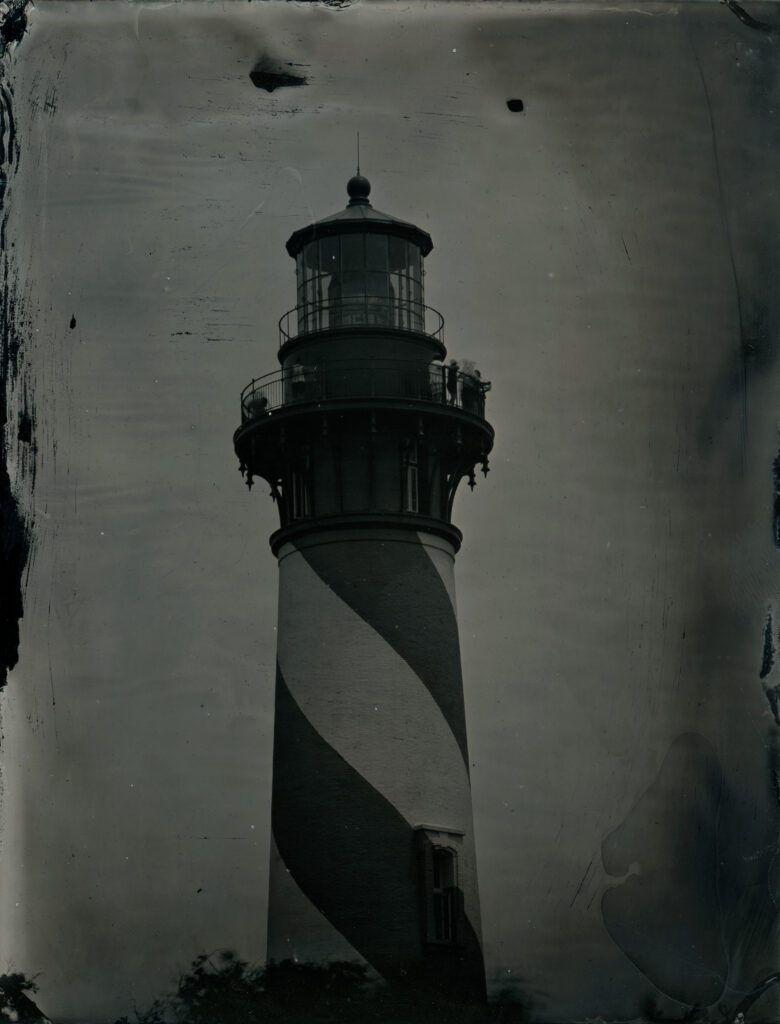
<point>358,189</point>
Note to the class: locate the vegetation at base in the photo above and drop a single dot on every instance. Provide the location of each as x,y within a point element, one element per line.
<point>221,989</point>
<point>15,1002</point>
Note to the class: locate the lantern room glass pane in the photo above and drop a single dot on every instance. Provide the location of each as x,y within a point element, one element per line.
<point>310,296</point>
<point>350,308</point>
<point>310,261</point>
<point>377,285</point>
<point>376,252</point>
<point>360,277</point>
<point>414,261</point>
<point>352,252</point>
<point>353,282</point>
<point>329,255</point>
<point>378,309</point>
<point>397,254</point>
<point>329,286</point>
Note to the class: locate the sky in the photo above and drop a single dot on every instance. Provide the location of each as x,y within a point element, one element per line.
<point>608,259</point>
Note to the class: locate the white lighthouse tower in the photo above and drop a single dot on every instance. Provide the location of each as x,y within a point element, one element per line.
<point>363,436</point>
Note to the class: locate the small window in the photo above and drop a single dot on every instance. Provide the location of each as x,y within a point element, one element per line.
<point>442,899</point>
<point>445,894</point>
<point>300,496</point>
<point>411,479</point>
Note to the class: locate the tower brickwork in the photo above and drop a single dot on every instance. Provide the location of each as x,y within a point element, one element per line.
<point>363,437</point>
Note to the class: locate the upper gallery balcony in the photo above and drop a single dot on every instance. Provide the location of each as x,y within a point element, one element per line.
<point>360,311</point>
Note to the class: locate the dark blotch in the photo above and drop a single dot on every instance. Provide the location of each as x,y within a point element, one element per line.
<point>15,24</point>
<point>776,500</point>
<point>768,654</point>
<point>14,551</point>
<point>774,703</point>
<point>25,431</point>
<point>72,322</point>
<point>749,20</point>
<point>15,527</point>
<point>266,77</point>
<point>516,106</point>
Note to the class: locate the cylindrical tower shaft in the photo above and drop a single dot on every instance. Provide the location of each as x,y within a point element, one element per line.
<point>372,826</point>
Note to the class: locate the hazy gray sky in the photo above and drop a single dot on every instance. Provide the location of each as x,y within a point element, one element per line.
<point>618,562</point>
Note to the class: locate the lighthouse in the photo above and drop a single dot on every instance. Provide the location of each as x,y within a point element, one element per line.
<point>363,437</point>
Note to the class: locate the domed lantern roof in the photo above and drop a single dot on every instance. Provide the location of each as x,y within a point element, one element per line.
<point>361,216</point>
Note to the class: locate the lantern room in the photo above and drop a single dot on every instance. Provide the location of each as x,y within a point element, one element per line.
<point>360,268</point>
<point>364,419</point>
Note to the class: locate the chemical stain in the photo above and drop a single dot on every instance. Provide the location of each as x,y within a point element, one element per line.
<point>15,525</point>
<point>664,913</point>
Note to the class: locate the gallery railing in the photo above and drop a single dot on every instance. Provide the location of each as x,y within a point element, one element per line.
<point>358,379</point>
<point>361,311</point>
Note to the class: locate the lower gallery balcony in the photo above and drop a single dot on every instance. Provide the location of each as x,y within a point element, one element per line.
<point>362,380</point>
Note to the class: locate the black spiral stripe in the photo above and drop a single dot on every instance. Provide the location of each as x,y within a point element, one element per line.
<point>355,858</point>
<point>411,611</point>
